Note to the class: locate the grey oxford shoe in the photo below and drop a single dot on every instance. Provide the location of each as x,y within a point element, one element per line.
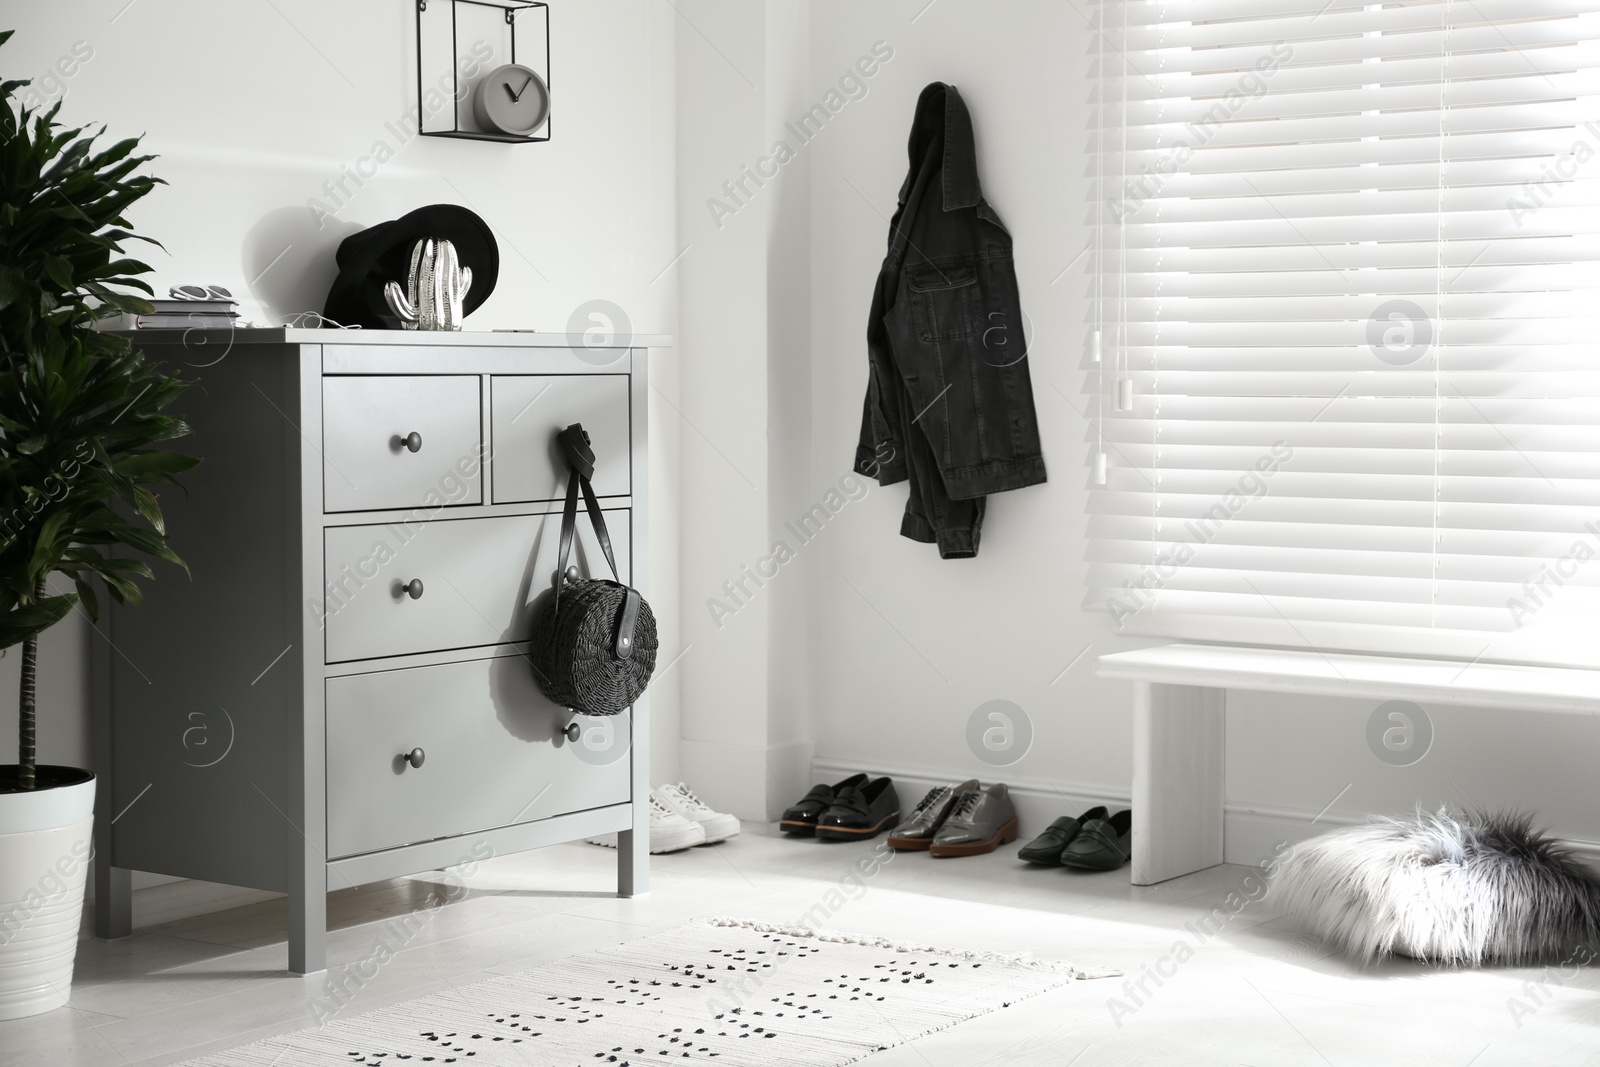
<point>917,832</point>
<point>980,821</point>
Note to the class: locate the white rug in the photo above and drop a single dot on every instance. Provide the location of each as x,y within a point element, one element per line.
<point>715,990</point>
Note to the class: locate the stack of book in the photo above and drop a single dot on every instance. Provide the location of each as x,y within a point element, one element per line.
<point>179,315</point>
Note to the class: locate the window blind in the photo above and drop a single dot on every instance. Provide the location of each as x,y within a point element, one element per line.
<point>1347,325</point>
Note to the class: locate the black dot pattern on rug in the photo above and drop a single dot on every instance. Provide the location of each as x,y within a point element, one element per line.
<point>742,998</point>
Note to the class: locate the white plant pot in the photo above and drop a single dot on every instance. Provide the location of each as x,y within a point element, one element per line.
<point>45,851</point>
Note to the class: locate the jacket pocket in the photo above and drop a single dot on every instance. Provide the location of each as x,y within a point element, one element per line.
<point>941,300</point>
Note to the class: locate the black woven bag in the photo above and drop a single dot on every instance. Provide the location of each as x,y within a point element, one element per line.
<point>594,641</point>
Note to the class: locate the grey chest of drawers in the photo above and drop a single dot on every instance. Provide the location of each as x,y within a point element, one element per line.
<point>340,693</point>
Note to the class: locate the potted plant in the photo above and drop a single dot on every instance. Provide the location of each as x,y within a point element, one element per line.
<point>80,412</point>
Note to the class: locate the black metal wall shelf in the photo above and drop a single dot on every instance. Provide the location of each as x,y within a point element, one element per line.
<point>515,11</point>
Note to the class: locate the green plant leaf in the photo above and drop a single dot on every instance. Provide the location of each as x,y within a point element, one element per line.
<point>82,414</point>
<point>20,623</point>
<point>46,547</point>
<point>89,599</point>
<point>122,567</point>
<point>151,544</point>
<point>11,285</point>
<point>122,590</point>
<point>125,266</point>
<point>58,270</point>
<point>149,509</point>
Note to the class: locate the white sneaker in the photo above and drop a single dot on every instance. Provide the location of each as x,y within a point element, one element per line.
<point>669,831</point>
<point>681,799</point>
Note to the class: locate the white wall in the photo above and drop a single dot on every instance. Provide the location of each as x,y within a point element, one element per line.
<point>905,646</point>
<point>744,321</point>
<point>721,70</point>
<point>252,107</point>
<point>866,645</point>
<point>908,645</point>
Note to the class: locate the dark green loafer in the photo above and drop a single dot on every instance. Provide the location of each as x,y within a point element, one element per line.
<point>1101,845</point>
<point>1048,846</point>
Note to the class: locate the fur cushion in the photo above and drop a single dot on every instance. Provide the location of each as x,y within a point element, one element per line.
<point>1445,888</point>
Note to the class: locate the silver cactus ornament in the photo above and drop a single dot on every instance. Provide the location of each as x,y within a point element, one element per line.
<point>435,289</point>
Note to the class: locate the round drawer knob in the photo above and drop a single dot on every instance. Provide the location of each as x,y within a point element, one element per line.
<point>415,757</point>
<point>572,732</point>
<point>413,589</point>
<point>412,441</point>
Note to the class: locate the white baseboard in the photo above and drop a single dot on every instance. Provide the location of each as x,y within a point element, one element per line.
<point>1250,831</point>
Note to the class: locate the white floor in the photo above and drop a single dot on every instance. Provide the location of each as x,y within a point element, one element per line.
<point>204,969</point>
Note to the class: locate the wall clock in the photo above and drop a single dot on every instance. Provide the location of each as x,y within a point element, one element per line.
<point>513,100</point>
<point>511,104</point>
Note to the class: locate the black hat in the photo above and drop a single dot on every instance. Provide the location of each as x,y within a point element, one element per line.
<point>382,253</point>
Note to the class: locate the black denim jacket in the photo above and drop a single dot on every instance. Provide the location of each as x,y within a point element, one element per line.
<point>949,403</point>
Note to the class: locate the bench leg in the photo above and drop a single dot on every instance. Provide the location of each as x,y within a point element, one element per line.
<point>1177,780</point>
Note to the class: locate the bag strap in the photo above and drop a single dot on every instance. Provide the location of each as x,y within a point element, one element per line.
<point>575,445</point>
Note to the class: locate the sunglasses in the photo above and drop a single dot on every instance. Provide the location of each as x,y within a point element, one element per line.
<point>199,292</point>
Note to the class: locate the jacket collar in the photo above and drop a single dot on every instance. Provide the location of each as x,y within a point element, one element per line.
<point>942,117</point>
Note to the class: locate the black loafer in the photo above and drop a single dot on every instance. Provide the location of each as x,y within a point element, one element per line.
<point>801,819</point>
<point>1102,844</point>
<point>1048,846</point>
<point>860,812</point>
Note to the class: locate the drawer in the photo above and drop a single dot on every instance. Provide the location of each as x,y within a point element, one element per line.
<point>366,422</point>
<point>528,412</point>
<point>479,580</point>
<point>492,755</point>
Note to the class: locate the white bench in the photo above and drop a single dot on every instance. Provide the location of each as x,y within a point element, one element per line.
<point>1178,723</point>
